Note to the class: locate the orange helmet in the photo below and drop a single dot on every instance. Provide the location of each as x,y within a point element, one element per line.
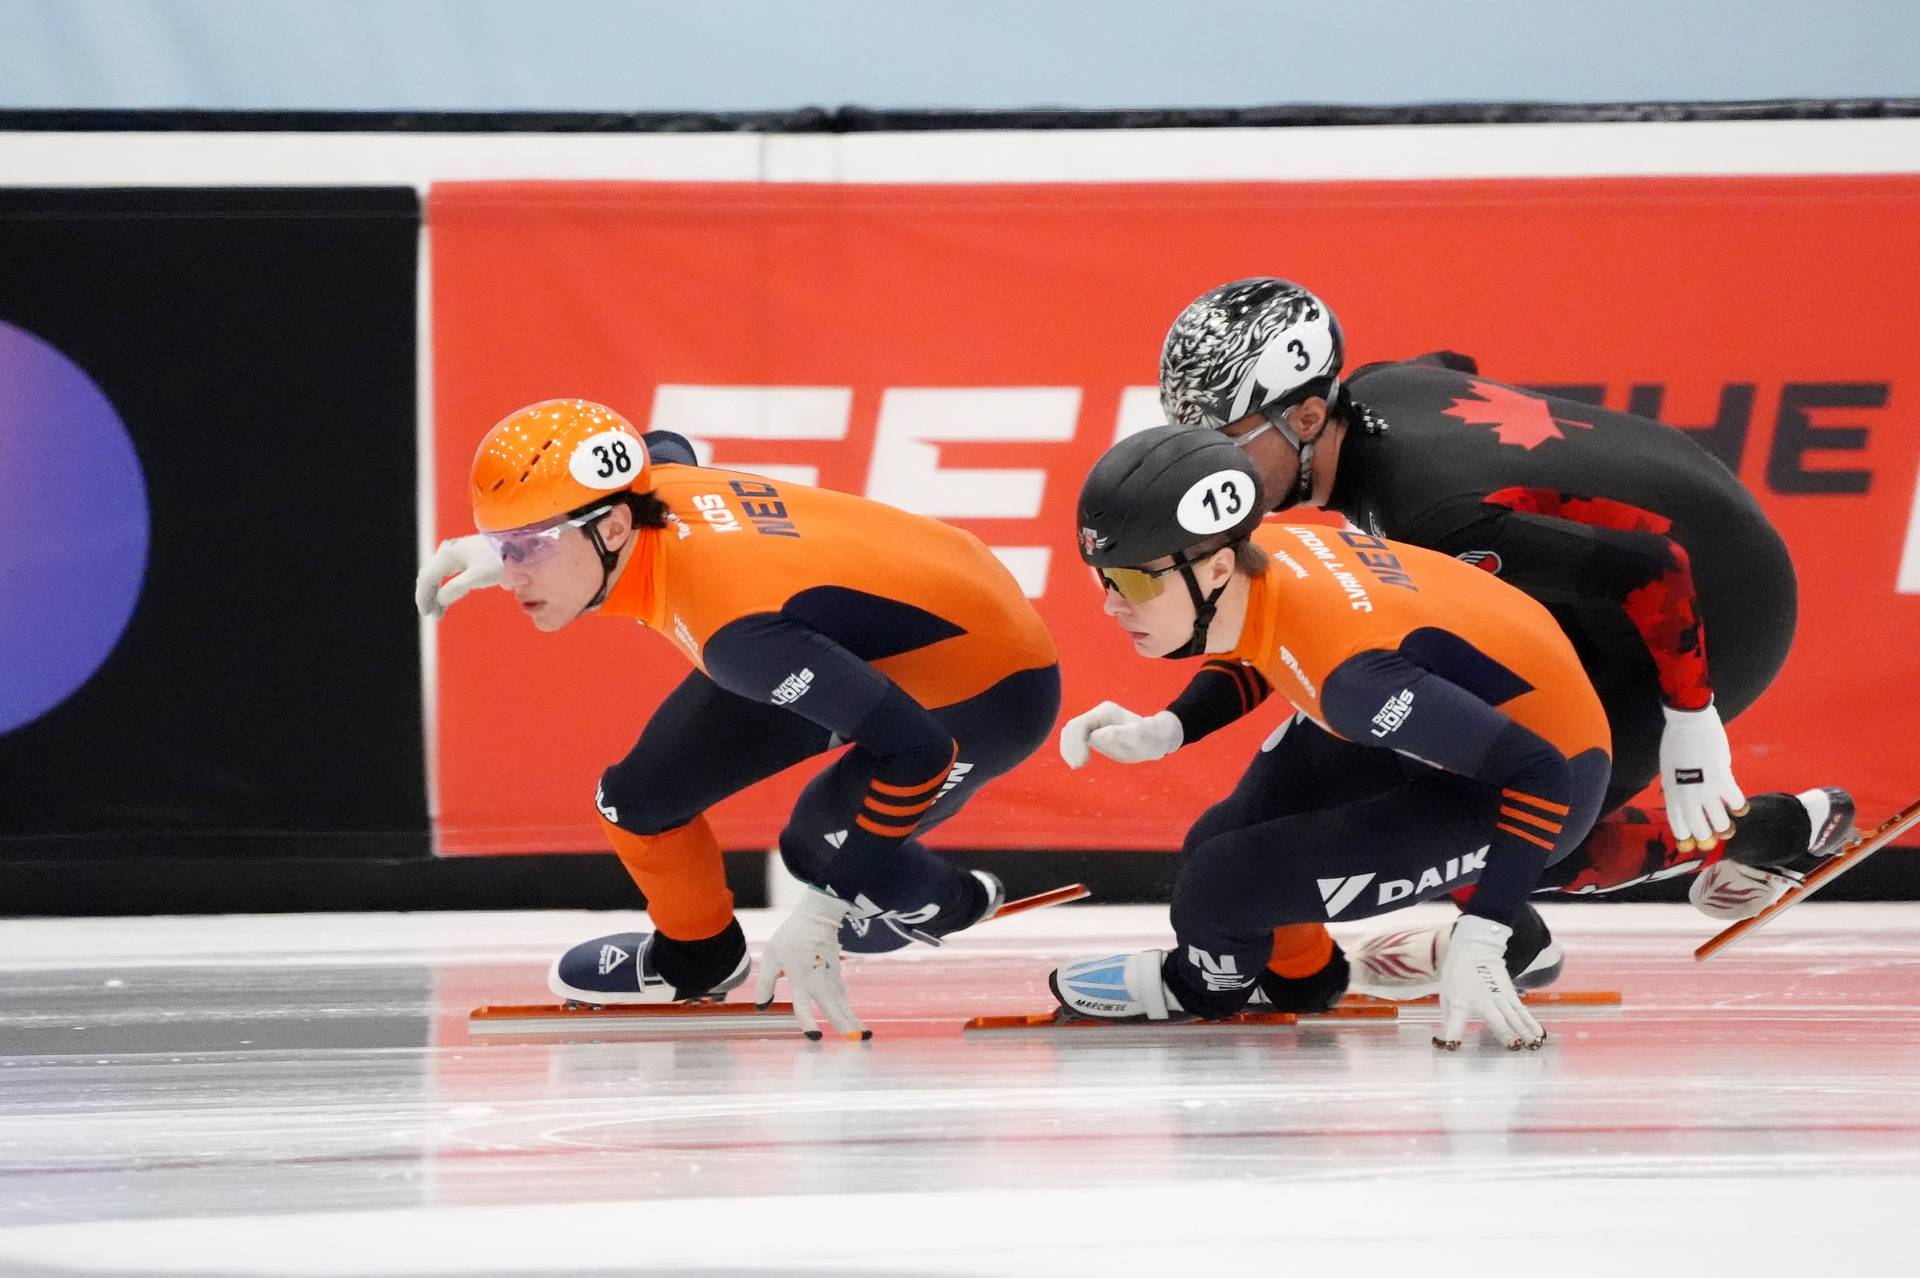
<point>551,458</point>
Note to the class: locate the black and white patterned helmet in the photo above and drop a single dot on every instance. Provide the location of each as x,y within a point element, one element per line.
<point>1254,345</point>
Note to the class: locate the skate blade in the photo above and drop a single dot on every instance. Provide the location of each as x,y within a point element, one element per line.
<point>1061,1019</point>
<point>1826,872</point>
<point>1532,998</point>
<point>1041,900</point>
<point>636,1020</point>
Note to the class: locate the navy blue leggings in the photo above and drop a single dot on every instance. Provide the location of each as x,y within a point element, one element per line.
<point>704,744</point>
<point>1320,830</point>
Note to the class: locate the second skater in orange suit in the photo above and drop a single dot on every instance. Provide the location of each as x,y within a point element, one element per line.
<point>1445,736</point>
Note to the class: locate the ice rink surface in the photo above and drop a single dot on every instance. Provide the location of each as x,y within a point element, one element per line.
<point>300,1095</point>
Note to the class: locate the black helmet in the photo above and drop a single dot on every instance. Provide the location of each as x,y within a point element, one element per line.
<point>1169,492</point>
<point>1257,345</point>
<point>1163,491</point>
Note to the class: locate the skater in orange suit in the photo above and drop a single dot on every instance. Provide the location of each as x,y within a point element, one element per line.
<point>1446,736</point>
<point>812,620</point>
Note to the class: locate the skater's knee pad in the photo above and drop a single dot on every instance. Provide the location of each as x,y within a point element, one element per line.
<point>1215,821</point>
<point>682,875</point>
<point>805,853</point>
<point>1210,898</point>
<point>637,804</point>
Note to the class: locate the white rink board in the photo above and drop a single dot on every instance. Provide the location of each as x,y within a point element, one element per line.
<point>1305,154</point>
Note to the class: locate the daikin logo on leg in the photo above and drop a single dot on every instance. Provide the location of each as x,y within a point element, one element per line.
<point>1338,894</point>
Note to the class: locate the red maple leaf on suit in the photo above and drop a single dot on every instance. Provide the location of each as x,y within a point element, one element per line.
<point>1520,420</point>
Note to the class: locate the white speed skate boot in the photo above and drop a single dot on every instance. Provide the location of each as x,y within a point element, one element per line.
<point>1729,890</point>
<point>1406,965</point>
<point>1116,987</point>
<point>619,969</point>
<point>1747,880</point>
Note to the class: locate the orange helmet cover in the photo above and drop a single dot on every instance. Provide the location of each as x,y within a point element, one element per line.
<point>550,459</point>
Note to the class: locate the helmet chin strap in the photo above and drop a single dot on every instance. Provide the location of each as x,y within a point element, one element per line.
<point>1302,448</point>
<point>1204,606</point>
<point>609,560</point>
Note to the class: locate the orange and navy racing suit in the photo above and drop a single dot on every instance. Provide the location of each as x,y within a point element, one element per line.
<point>1445,736</point>
<point>815,619</point>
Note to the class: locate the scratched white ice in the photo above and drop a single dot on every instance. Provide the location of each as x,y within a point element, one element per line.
<point>299,1095</point>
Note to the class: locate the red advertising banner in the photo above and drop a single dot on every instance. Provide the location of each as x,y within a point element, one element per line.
<point>968,351</point>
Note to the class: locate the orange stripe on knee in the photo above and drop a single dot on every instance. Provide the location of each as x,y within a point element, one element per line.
<point>682,875</point>
<point>1515,814</point>
<point>1558,809</point>
<point>898,809</point>
<point>886,830</point>
<point>1520,833</point>
<point>1300,950</point>
<point>919,788</point>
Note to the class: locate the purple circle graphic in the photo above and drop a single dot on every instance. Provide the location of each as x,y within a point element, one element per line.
<point>73,528</point>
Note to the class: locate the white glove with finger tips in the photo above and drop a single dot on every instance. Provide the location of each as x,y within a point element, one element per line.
<point>1120,734</point>
<point>1696,778</point>
<point>461,564</point>
<point>1474,982</point>
<point>806,949</point>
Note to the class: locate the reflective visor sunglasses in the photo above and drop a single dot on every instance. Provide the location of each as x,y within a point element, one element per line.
<point>1136,585</point>
<point>535,542</point>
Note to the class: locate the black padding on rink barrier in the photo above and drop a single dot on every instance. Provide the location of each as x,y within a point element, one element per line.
<point>596,881</point>
<point>258,347</point>
<point>859,119</point>
<point>248,885</point>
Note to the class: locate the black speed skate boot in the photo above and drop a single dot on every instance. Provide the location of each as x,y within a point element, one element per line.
<point>1781,839</point>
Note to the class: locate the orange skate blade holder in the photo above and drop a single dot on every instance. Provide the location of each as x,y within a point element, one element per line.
<point>1041,900</point>
<point>1826,872</point>
<point>1534,998</point>
<point>1058,1019</point>
<point>649,1020</point>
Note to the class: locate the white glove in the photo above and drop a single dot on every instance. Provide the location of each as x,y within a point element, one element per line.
<point>471,562</point>
<point>1474,982</point>
<point>1120,734</point>
<point>807,949</point>
<point>1696,776</point>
